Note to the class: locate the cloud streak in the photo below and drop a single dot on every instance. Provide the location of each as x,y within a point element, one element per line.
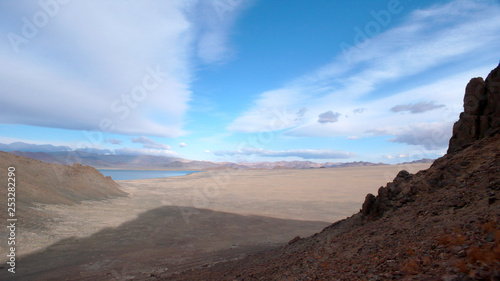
<point>149,143</point>
<point>114,141</point>
<point>425,40</point>
<point>300,153</point>
<point>145,151</point>
<point>431,136</point>
<point>118,67</point>
<point>415,108</point>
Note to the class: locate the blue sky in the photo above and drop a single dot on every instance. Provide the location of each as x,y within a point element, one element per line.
<point>237,80</point>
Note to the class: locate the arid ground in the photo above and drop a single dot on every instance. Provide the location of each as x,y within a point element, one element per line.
<point>173,224</point>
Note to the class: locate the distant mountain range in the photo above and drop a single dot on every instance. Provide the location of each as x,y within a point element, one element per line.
<point>175,163</point>
<point>98,160</point>
<point>304,164</point>
<point>421,161</point>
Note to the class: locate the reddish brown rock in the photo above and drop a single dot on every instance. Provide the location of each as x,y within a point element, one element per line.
<point>475,96</point>
<point>481,114</point>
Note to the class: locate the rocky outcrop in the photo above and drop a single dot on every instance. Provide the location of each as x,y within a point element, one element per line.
<point>481,114</point>
<point>393,195</point>
<point>481,118</point>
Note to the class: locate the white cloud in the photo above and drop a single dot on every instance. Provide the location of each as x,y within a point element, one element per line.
<point>300,153</point>
<point>271,112</point>
<point>182,144</point>
<point>149,143</point>
<point>431,136</point>
<point>114,141</point>
<point>377,115</point>
<point>146,151</point>
<point>328,117</point>
<point>94,150</point>
<point>400,156</point>
<point>214,19</point>
<point>48,148</point>
<point>426,40</point>
<point>359,110</point>
<point>415,108</point>
<point>119,67</point>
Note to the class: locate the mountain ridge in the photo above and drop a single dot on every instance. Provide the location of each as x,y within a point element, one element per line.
<point>163,162</point>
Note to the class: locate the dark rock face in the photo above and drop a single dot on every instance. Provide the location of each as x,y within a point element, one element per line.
<point>481,114</point>
<point>388,196</point>
<point>480,119</point>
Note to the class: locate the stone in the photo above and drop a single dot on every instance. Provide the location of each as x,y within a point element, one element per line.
<point>475,96</point>
<point>295,239</point>
<point>368,204</point>
<point>481,111</point>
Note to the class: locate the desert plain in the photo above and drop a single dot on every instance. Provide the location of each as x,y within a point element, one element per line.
<point>168,225</point>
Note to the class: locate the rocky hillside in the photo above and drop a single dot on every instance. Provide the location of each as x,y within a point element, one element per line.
<point>40,182</point>
<point>439,224</point>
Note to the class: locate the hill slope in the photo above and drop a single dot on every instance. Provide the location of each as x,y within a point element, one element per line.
<point>40,182</point>
<point>439,224</point>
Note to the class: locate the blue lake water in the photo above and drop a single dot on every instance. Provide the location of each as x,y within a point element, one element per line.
<point>118,175</point>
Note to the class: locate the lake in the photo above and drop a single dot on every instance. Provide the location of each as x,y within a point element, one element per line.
<point>118,175</point>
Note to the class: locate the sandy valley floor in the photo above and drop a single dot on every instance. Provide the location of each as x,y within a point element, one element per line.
<point>160,227</point>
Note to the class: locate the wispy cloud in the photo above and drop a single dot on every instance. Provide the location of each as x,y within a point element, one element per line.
<point>300,153</point>
<point>399,156</point>
<point>359,110</point>
<point>119,67</point>
<point>149,143</point>
<point>148,149</point>
<point>415,108</point>
<point>114,141</point>
<point>426,40</point>
<point>214,19</point>
<point>145,151</point>
<point>95,150</point>
<point>271,112</point>
<point>431,136</point>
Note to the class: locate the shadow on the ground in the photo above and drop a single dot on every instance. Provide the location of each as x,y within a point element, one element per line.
<point>162,240</point>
